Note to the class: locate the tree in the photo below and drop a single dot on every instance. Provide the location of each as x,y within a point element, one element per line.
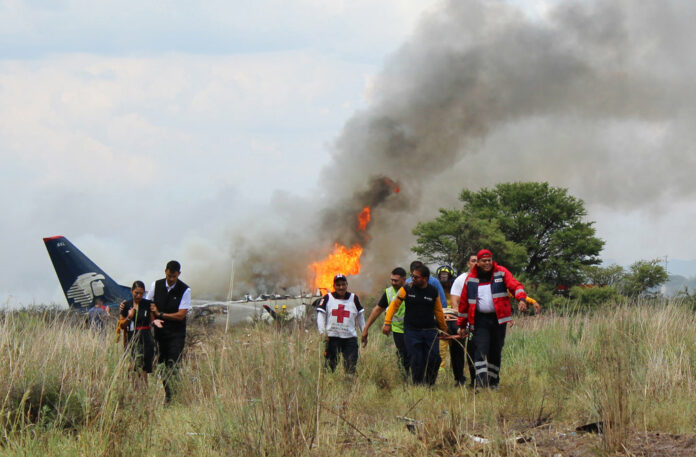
<point>454,234</point>
<point>544,222</point>
<point>644,275</point>
<point>611,275</point>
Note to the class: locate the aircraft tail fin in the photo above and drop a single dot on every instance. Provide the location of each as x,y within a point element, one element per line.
<point>81,279</point>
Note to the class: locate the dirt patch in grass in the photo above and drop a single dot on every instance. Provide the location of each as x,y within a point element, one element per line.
<point>563,443</point>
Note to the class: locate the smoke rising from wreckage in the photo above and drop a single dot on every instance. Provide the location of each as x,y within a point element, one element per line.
<point>593,88</point>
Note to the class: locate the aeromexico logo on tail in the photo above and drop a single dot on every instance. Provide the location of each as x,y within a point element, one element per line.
<point>85,288</point>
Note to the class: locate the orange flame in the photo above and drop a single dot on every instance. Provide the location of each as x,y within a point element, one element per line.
<point>363,218</point>
<point>341,260</point>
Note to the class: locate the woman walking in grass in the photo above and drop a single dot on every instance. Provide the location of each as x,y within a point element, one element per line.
<point>138,322</point>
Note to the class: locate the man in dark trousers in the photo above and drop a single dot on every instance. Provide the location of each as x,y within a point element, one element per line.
<point>337,316</point>
<point>422,318</point>
<point>171,301</point>
<point>485,306</point>
<point>397,279</point>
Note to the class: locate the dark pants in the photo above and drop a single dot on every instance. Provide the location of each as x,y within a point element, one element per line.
<point>489,338</point>
<point>401,351</point>
<point>424,351</point>
<point>470,353</point>
<point>346,346</point>
<point>143,350</point>
<point>456,350</point>
<point>170,347</point>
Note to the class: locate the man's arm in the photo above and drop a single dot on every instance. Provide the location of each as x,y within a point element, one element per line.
<point>439,315</point>
<point>150,294</point>
<point>440,290</point>
<point>517,289</point>
<point>180,315</point>
<point>393,307</point>
<point>376,311</point>
<point>361,320</point>
<point>321,316</point>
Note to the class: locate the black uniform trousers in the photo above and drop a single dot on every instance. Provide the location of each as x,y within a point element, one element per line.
<point>402,352</point>
<point>170,346</point>
<point>346,346</point>
<point>489,338</point>
<point>456,350</point>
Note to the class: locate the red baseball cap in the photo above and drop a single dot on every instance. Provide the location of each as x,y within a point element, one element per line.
<point>484,253</point>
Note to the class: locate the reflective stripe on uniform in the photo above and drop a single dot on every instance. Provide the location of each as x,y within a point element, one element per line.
<point>520,289</point>
<point>500,295</point>
<point>504,320</point>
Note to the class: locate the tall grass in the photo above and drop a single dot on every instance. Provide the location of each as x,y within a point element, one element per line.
<point>262,390</point>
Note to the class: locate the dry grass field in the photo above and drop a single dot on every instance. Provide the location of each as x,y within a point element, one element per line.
<point>261,391</point>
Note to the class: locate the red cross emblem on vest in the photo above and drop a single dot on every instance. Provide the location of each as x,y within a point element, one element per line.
<point>340,313</point>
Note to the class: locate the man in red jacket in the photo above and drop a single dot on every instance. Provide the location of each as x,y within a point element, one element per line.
<point>486,308</point>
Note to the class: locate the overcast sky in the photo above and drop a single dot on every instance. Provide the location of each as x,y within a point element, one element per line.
<point>145,131</point>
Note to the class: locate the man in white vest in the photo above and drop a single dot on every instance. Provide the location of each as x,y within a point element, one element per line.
<point>338,314</point>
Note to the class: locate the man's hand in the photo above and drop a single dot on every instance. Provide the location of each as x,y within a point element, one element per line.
<point>386,329</point>
<point>537,308</point>
<point>153,309</point>
<point>363,338</point>
<point>522,306</point>
<point>463,333</point>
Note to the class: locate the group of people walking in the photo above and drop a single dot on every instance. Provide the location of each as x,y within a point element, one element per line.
<point>467,316</point>
<point>162,309</point>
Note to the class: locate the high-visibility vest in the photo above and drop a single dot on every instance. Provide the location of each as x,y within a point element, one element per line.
<point>397,325</point>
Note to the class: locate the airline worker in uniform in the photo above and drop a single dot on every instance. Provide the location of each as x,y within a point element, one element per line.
<point>397,279</point>
<point>486,308</point>
<point>338,314</point>
<point>423,317</point>
<point>138,321</point>
<point>171,301</point>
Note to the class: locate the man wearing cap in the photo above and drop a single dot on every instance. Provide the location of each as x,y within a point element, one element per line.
<point>337,315</point>
<point>397,279</point>
<point>422,318</point>
<point>485,307</point>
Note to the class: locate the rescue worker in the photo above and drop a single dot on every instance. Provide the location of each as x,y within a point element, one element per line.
<point>422,318</point>
<point>453,342</point>
<point>486,308</point>
<point>397,279</point>
<point>337,315</point>
<point>431,280</point>
<point>455,294</point>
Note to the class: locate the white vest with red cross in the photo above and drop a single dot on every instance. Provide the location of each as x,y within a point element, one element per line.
<point>341,316</point>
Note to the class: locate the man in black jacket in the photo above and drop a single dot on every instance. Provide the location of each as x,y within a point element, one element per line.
<point>171,301</point>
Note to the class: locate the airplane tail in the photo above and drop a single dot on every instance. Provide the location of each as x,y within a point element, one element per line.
<point>81,279</point>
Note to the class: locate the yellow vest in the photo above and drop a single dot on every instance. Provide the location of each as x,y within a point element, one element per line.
<point>397,325</point>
